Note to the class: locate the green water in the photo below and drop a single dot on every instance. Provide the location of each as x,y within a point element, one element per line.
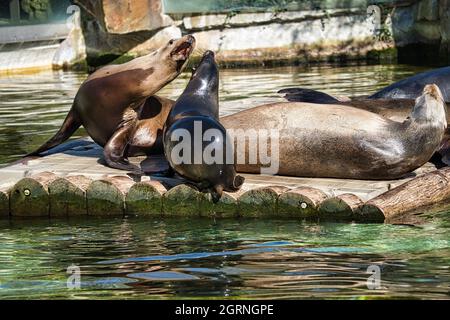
<point>153,259</point>
<point>156,259</point>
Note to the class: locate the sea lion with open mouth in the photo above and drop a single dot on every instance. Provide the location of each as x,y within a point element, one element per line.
<point>112,102</point>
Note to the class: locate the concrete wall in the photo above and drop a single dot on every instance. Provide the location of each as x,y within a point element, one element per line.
<point>418,30</point>
<point>137,27</point>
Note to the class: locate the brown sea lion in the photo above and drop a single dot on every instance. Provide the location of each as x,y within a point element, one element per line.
<point>339,141</point>
<point>394,109</point>
<point>112,101</point>
<point>402,94</point>
<point>194,115</point>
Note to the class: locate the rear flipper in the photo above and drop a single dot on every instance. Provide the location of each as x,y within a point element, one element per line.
<point>309,95</point>
<point>441,158</point>
<point>446,159</point>
<point>445,152</point>
<point>69,126</point>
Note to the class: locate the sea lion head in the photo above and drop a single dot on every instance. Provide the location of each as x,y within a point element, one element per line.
<point>430,107</point>
<point>176,52</point>
<point>205,77</point>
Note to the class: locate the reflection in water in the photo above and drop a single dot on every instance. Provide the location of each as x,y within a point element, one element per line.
<point>143,258</point>
<point>33,107</point>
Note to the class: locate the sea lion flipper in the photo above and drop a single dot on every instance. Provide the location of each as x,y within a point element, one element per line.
<point>216,193</point>
<point>308,95</point>
<point>69,126</point>
<point>116,148</point>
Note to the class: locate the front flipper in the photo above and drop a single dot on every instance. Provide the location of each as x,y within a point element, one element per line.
<point>116,149</point>
<point>216,191</point>
<point>168,173</point>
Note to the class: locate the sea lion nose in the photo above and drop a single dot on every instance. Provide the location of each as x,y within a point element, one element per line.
<point>209,53</point>
<point>238,182</point>
<point>190,39</point>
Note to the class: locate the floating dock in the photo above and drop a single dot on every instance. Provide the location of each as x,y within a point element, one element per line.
<point>73,181</point>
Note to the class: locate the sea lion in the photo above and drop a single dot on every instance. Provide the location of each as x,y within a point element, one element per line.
<point>411,87</point>
<point>408,88</point>
<point>112,102</point>
<point>194,118</point>
<point>339,141</point>
<point>393,102</point>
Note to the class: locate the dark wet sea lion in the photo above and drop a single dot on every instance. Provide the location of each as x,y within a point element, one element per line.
<point>195,113</point>
<point>408,88</point>
<point>411,87</point>
<point>338,141</point>
<point>113,100</point>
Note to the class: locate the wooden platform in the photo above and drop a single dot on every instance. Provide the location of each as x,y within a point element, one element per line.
<point>73,181</point>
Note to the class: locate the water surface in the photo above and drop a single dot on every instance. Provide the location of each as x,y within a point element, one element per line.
<point>200,258</point>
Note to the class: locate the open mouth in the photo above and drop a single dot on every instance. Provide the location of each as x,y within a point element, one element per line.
<point>183,50</point>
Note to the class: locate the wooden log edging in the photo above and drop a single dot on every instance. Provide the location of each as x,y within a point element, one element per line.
<point>260,202</point>
<point>106,197</point>
<point>4,202</point>
<point>68,196</point>
<point>46,195</point>
<point>145,199</point>
<point>301,202</point>
<point>401,204</point>
<point>342,208</point>
<point>30,196</point>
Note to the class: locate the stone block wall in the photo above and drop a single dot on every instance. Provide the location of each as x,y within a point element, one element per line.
<point>421,31</point>
<point>137,27</point>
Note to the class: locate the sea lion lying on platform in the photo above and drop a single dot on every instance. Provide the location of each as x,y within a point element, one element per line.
<point>339,141</point>
<point>112,101</point>
<point>194,115</point>
<point>393,102</point>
